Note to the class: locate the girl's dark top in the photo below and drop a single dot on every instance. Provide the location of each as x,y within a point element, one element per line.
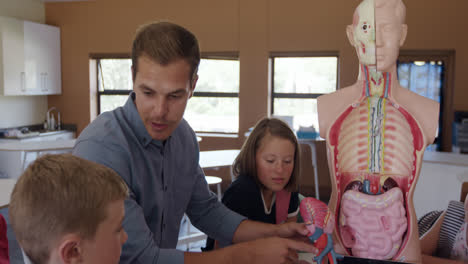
<point>244,197</point>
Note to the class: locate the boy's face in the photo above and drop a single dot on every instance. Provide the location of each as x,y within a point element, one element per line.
<point>106,246</point>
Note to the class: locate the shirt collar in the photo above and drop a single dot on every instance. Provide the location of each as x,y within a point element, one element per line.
<point>137,125</point>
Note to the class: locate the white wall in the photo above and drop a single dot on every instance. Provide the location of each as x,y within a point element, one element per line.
<point>22,110</point>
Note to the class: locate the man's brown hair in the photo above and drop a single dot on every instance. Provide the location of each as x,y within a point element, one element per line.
<point>58,195</point>
<point>166,42</point>
<point>245,162</point>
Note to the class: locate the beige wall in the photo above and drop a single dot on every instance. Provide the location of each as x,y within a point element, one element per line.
<point>254,28</point>
<point>22,110</point>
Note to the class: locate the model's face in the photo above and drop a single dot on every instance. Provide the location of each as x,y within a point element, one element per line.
<point>275,162</point>
<point>162,93</point>
<point>106,246</point>
<point>364,32</point>
<point>388,35</point>
<point>377,34</point>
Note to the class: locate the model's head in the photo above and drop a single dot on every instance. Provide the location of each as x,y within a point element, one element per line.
<point>391,32</point>
<point>65,208</point>
<point>377,32</point>
<point>362,32</point>
<point>270,155</point>
<point>165,59</point>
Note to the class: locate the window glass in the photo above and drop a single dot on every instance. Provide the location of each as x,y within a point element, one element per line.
<point>218,76</point>
<point>214,107</point>
<point>305,75</point>
<point>213,114</point>
<point>297,82</point>
<point>115,74</point>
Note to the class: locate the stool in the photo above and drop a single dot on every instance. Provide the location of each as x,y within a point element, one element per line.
<point>215,180</point>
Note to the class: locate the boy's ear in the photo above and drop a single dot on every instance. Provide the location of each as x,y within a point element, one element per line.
<point>70,251</point>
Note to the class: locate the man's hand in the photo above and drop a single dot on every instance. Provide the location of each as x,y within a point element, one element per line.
<point>274,250</point>
<point>271,250</point>
<point>292,229</point>
<point>251,230</point>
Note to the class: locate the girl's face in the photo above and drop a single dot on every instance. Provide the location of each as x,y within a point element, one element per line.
<point>275,162</point>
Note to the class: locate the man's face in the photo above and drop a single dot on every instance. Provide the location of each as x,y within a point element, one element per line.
<point>364,32</point>
<point>106,246</point>
<point>388,34</point>
<point>162,93</point>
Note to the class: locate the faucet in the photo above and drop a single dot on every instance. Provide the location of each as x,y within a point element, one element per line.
<point>51,120</point>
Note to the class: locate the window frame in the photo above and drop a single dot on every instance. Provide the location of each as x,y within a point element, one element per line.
<point>204,55</point>
<point>219,56</point>
<point>446,103</point>
<point>271,63</point>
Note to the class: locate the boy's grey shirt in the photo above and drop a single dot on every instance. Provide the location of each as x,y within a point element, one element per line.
<point>165,181</point>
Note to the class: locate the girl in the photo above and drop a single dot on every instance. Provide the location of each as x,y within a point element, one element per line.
<point>266,170</point>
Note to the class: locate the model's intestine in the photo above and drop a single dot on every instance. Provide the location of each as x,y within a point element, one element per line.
<point>372,226</point>
<point>374,143</point>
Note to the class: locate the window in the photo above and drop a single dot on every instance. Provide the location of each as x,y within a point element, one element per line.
<point>214,106</point>
<point>297,82</point>
<point>114,83</point>
<point>429,74</point>
<point>426,79</point>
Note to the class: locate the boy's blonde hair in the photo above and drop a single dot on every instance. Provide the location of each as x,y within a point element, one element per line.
<point>58,195</point>
<point>245,163</point>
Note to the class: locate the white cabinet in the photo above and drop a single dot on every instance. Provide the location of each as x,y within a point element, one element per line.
<point>30,58</point>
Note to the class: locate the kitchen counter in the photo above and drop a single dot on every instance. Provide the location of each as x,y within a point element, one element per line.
<point>61,144</point>
<point>17,154</point>
<point>440,181</point>
<point>446,158</point>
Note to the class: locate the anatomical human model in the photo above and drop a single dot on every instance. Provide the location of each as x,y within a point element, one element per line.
<point>376,133</point>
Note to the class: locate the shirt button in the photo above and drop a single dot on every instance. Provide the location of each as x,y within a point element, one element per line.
<point>165,188</point>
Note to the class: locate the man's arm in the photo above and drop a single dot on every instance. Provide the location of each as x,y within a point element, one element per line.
<point>267,250</point>
<point>140,246</point>
<point>250,230</point>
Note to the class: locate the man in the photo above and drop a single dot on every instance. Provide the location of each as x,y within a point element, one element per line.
<point>376,134</point>
<point>149,144</point>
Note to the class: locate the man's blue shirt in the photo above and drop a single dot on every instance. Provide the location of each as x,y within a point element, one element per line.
<point>165,181</point>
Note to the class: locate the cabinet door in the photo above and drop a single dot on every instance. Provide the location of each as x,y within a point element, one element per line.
<point>42,54</point>
<point>52,83</point>
<point>32,58</point>
<point>12,56</point>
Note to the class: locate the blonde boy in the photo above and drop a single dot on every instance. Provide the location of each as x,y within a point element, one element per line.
<point>65,209</point>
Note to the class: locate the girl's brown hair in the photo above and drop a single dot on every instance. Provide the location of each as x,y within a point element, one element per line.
<point>245,164</point>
